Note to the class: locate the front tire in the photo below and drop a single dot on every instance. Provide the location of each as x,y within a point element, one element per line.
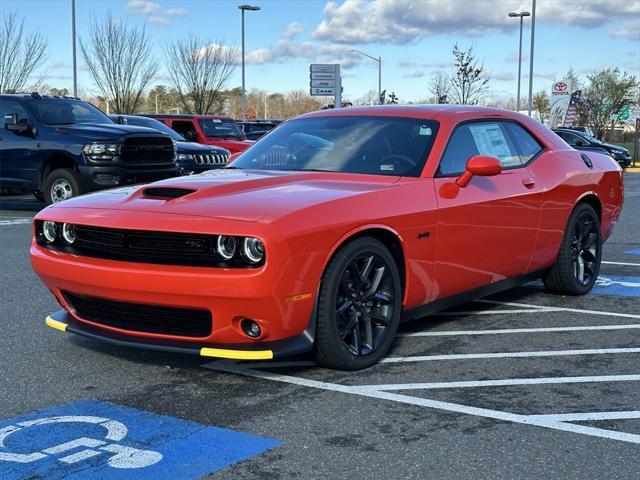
<point>359,306</point>
<point>61,184</point>
<point>578,263</point>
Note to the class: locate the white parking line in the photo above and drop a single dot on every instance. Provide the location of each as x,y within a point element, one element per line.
<point>546,353</point>
<point>503,383</point>
<point>588,416</point>
<point>622,263</point>
<point>225,366</point>
<point>562,309</point>
<point>16,221</point>
<point>494,312</point>
<point>448,333</point>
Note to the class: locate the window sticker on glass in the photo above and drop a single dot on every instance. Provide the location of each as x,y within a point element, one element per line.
<point>217,120</point>
<point>490,140</point>
<point>424,130</point>
<point>387,168</point>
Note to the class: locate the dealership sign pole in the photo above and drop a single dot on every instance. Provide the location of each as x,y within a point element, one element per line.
<point>325,80</point>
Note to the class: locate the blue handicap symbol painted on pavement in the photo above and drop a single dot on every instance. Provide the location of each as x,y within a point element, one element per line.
<point>617,285</point>
<point>98,440</point>
<point>635,251</point>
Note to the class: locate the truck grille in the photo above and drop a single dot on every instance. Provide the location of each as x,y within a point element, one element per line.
<point>147,150</point>
<point>213,159</point>
<point>139,317</point>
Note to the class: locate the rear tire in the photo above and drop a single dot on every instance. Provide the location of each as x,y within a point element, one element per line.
<point>61,184</point>
<point>359,306</point>
<point>578,264</point>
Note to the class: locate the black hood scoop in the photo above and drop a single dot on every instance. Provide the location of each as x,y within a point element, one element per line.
<point>166,192</point>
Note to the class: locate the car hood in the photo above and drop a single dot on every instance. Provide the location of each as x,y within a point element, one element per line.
<point>611,146</point>
<point>198,148</point>
<point>96,131</point>
<point>244,195</point>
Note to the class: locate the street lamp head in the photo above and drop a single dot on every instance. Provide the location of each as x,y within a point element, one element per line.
<point>519,14</point>
<point>249,7</point>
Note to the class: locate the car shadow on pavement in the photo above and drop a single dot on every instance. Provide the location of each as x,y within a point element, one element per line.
<point>20,203</point>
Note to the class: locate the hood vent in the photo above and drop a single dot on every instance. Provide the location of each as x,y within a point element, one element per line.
<point>166,192</point>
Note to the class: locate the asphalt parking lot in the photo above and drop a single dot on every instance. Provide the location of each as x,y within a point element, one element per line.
<point>519,385</point>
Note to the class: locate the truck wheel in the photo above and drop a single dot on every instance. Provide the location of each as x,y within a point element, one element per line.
<point>61,184</point>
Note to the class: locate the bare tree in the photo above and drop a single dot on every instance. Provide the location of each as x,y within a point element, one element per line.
<point>439,86</point>
<point>120,61</point>
<point>468,85</point>
<point>20,54</point>
<point>199,70</point>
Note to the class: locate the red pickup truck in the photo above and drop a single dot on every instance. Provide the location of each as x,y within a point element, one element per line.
<point>208,129</point>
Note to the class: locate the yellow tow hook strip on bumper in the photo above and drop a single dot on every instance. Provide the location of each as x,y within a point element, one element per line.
<point>55,324</point>
<point>236,354</point>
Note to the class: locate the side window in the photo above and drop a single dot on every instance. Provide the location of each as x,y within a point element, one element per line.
<point>528,147</point>
<point>481,138</point>
<point>571,139</point>
<point>9,108</point>
<point>187,129</point>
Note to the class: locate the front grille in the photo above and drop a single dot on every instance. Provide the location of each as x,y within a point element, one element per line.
<point>150,247</point>
<point>138,317</point>
<point>156,149</point>
<point>212,159</point>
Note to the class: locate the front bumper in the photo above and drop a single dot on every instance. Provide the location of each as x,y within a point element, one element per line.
<point>62,320</point>
<point>97,177</point>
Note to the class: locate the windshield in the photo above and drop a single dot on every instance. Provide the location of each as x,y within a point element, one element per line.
<point>67,112</point>
<point>220,128</point>
<point>351,144</point>
<point>156,125</point>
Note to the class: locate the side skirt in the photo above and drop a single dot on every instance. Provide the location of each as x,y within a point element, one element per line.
<point>464,297</point>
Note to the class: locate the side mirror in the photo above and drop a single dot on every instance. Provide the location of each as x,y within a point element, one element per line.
<point>122,120</point>
<point>191,136</point>
<point>480,165</point>
<point>11,123</point>
<point>579,143</point>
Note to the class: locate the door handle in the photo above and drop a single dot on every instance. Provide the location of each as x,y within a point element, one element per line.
<point>528,182</point>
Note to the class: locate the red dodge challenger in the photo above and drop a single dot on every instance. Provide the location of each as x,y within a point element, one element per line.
<point>328,232</point>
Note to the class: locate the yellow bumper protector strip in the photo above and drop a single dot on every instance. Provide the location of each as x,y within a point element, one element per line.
<point>55,324</point>
<point>236,354</point>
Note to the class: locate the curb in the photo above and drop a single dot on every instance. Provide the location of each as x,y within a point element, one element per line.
<point>631,170</point>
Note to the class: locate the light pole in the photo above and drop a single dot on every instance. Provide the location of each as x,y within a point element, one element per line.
<point>533,31</point>
<point>521,15</point>
<point>244,94</point>
<point>379,60</point>
<point>73,43</point>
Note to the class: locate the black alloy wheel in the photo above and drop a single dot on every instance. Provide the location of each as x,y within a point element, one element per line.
<point>576,268</point>
<point>359,306</point>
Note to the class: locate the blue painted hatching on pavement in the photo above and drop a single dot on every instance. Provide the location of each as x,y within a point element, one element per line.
<point>635,251</point>
<point>99,440</point>
<point>617,285</point>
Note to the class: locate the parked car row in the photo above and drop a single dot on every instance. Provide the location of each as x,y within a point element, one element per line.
<point>60,147</point>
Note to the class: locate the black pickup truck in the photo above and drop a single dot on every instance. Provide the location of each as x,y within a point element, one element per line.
<point>60,147</point>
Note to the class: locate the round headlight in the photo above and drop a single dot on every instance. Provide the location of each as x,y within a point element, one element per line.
<point>253,249</point>
<point>227,246</point>
<point>69,233</point>
<point>49,230</point>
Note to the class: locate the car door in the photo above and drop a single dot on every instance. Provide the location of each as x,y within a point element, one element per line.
<point>487,230</point>
<point>19,155</point>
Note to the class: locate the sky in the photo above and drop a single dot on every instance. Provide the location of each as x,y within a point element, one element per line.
<point>414,38</point>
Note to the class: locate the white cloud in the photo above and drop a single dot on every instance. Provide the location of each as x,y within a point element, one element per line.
<point>156,15</point>
<point>158,21</point>
<point>175,12</point>
<point>390,21</point>
<point>513,57</point>
<point>630,30</point>
<point>143,7</point>
<point>500,76</point>
<point>292,30</point>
